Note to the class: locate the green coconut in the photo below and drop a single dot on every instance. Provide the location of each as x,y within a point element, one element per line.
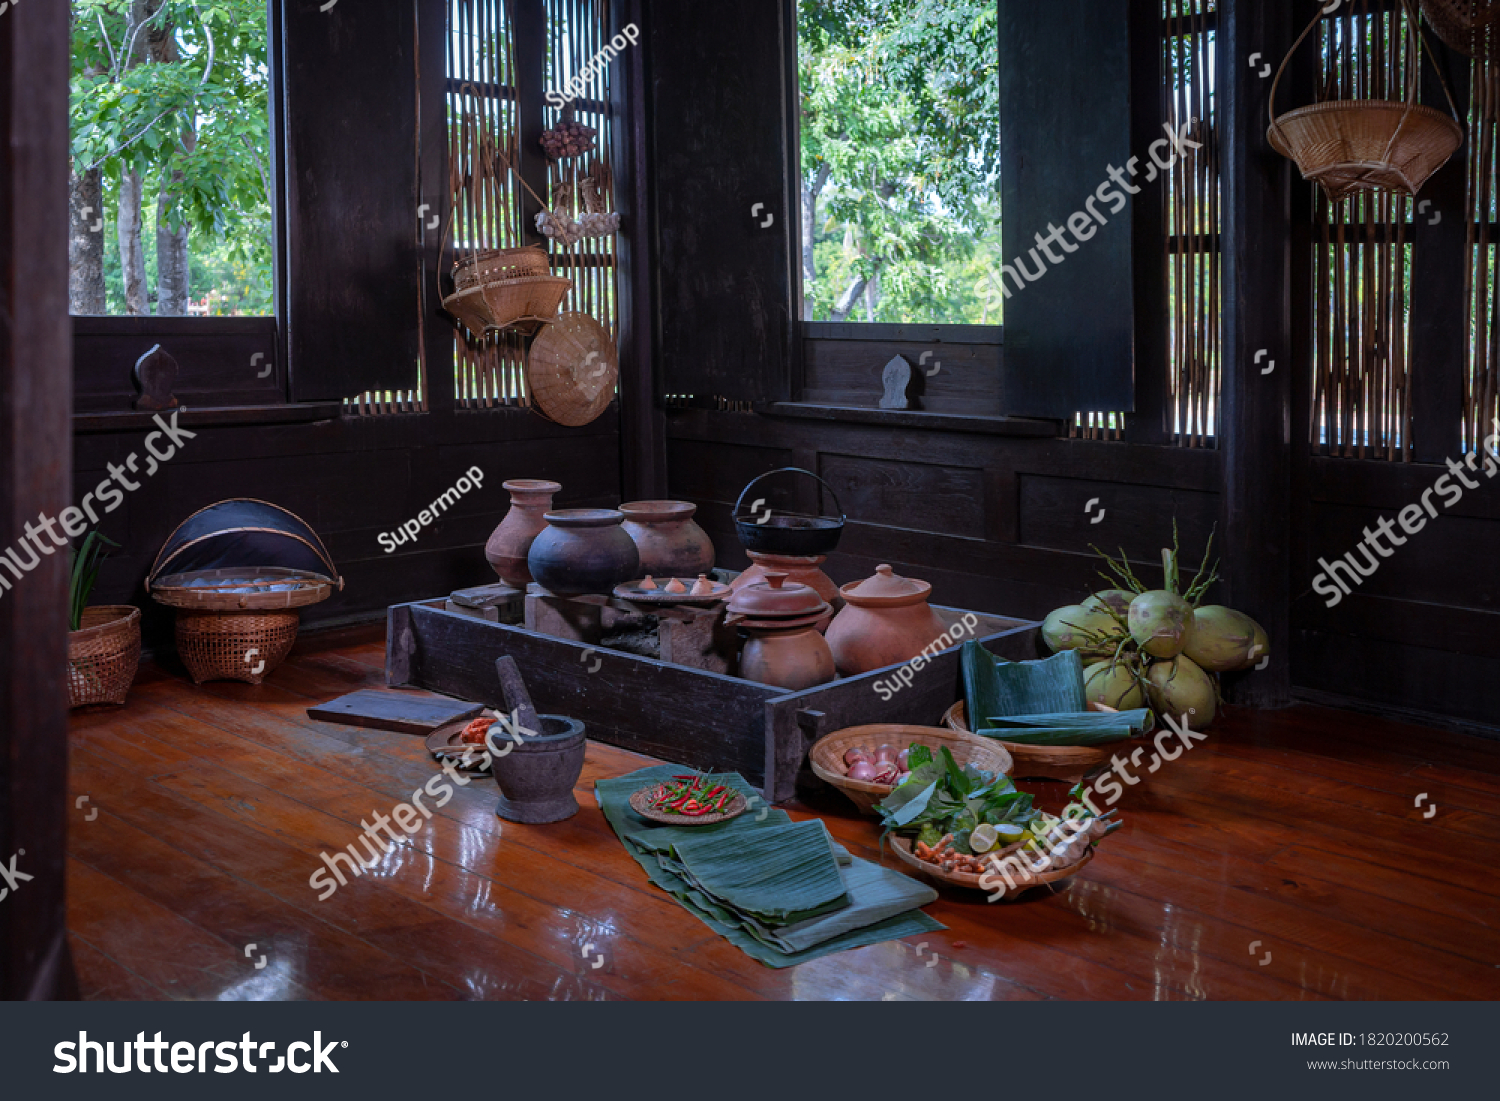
<point>1180,688</point>
<point>1113,684</point>
<point>1110,600</point>
<point>1161,623</point>
<point>1222,639</point>
<point>1067,629</point>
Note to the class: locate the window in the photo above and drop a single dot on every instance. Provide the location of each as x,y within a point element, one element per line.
<point>900,161</point>
<point>171,214</point>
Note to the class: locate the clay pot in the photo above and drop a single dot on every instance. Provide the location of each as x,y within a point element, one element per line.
<point>537,776</point>
<point>885,621</point>
<point>784,646</point>
<point>583,550</point>
<point>669,542</point>
<point>801,571</point>
<point>510,542</point>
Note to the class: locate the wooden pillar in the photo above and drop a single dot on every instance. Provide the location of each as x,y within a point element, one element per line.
<point>1255,429</point>
<point>36,393</point>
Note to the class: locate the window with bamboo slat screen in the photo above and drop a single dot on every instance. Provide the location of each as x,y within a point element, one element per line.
<point>487,95</point>
<point>1190,196</point>
<point>1362,261</point>
<point>1481,407</point>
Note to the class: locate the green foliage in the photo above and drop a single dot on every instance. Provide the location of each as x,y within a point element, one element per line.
<point>83,571</point>
<point>196,128</point>
<point>900,115</point>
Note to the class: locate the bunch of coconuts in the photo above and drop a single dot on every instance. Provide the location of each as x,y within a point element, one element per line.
<point>1157,647</point>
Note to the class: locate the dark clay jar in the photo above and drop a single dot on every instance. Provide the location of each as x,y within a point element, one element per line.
<point>583,550</point>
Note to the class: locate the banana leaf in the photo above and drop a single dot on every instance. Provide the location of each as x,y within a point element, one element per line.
<point>1059,735</point>
<point>993,687</point>
<point>1138,719</point>
<point>780,876</point>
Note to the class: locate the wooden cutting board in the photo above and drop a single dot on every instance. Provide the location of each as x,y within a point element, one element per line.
<point>401,712</point>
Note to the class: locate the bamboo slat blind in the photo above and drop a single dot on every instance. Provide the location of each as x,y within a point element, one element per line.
<point>1194,333</point>
<point>1361,382</point>
<point>1482,297</point>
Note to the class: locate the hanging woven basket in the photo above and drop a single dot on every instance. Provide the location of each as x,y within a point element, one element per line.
<point>1472,27</point>
<point>1367,144</point>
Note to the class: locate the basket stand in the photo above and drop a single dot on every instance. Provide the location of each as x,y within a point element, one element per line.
<point>242,646</point>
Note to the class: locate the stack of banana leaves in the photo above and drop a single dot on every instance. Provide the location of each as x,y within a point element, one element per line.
<point>1039,703</point>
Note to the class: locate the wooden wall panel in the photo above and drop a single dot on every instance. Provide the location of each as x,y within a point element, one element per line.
<point>955,377</point>
<point>220,360</point>
<point>1054,513</point>
<point>920,496</point>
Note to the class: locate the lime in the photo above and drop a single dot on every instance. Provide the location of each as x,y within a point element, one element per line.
<point>988,838</point>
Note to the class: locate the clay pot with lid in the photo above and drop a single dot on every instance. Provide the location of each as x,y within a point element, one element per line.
<point>583,550</point>
<point>781,622</point>
<point>801,570</point>
<point>670,543</point>
<point>886,620</point>
<point>510,543</point>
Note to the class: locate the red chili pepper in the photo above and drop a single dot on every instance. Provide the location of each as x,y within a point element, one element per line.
<point>714,792</point>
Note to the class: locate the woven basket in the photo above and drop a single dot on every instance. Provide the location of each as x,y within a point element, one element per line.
<point>524,303</point>
<point>176,592</point>
<point>103,655</point>
<point>827,756</point>
<point>1070,763</point>
<point>492,265</point>
<point>1367,144</point>
<point>1472,27</point>
<point>232,645</point>
<point>1023,877</point>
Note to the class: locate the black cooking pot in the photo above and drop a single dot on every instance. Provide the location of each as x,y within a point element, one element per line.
<point>788,533</point>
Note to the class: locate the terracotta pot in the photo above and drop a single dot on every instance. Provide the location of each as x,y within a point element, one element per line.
<point>801,571</point>
<point>793,658</point>
<point>583,550</point>
<point>510,542</point>
<point>537,776</point>
<point>669,542</point>
<point>885,621</point>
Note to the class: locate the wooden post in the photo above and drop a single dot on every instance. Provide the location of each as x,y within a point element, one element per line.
<point>1255,426</point>
<point>36,432</point>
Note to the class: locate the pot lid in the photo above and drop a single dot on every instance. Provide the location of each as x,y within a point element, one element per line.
<point>775,598</point>
<point>583,517</point>
<point>886,589</point>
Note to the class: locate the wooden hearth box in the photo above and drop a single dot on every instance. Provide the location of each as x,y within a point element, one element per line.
<point>686,715</point>
<point>688,635</point>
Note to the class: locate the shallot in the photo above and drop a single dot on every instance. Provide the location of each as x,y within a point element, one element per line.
<point>901,757</point>
<point>862,770</point>
<point>855,755</point>
<point>885,753</point>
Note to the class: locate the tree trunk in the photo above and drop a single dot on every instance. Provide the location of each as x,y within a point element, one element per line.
<point>171,259</point>
<point>872,297</point>
<point>810,192</point>
<point>86,244</point>
<point>848,298</point>
<point>132,255</point>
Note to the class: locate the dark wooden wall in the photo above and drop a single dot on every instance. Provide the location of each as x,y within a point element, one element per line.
<point>35,392</point>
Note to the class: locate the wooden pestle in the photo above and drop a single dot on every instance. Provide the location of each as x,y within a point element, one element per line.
<point>517,698</point>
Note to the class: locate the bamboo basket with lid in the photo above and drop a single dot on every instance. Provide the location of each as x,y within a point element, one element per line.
<point>1368,144</point>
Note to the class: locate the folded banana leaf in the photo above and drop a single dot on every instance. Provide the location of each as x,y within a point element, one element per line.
<point>780,876</point>
<point>1138,719</point>
<point>1059,735</point>
<point>993,687</point>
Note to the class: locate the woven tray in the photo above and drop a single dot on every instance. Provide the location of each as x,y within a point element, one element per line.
<point>173,590</point>
<point>1025,878</point>
<point>827,756</point>
<point>638,802</point>
<point>1070,763</point>
<point>103,655</point>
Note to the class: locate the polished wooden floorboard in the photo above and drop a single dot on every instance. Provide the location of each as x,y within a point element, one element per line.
<point>1295,829</point>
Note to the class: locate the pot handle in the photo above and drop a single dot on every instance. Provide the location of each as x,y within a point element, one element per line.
<point>792,470</point>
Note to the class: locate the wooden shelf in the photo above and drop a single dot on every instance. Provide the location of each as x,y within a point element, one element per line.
<point>209,416</point>
<point>915,418</point>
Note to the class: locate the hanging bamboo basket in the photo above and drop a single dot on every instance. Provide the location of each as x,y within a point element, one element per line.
<point>1367,144</point>
<point>1472,27</point>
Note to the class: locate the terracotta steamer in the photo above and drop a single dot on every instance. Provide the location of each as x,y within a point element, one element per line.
<point>510,542</point>
<point>670,543</point>
<point>800,570</point>
<point>583,550</point>
<point>886,620</point>
<point>784,646</point>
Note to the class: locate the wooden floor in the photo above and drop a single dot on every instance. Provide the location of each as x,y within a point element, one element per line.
<point>1284,858</point>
